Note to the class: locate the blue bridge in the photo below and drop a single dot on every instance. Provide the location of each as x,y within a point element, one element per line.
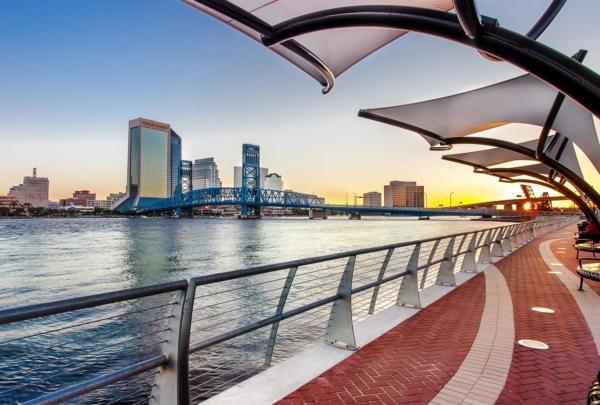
<point>219,196</point>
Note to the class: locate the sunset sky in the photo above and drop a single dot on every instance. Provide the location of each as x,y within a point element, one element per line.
<point>75,72</point>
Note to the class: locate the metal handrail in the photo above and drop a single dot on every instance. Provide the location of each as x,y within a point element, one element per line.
<point>172,383</point>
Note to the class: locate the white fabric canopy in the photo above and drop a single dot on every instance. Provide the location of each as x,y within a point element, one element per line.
<point>338,49</point>
<point>524,99</point>
<point>538,168</point>
<point>496,156</point>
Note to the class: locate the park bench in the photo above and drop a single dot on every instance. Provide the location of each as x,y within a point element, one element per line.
<point>591,271</point>
<point>586,245</point>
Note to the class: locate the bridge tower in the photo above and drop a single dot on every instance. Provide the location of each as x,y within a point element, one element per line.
<point>185,183</point>
<point>250,181</point>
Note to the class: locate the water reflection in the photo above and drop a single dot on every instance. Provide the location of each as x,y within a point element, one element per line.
<point>49,259</point>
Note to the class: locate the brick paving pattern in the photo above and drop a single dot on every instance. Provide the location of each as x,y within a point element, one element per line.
<point>561,374</point>
<point>413,361</point>
<point>408,364</point>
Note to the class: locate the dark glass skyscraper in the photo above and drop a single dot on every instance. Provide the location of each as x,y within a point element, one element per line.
<point>153,160</point>
<point>175,161</point>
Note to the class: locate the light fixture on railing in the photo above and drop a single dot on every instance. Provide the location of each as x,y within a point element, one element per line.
<point>442,147</point>
<point>481,170</point>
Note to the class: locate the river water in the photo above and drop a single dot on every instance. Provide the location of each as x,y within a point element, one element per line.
<point>49,259</point>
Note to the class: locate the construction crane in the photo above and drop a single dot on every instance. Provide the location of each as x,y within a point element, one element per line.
<point>543,203</point>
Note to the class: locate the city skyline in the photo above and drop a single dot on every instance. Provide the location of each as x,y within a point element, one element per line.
<point>66,120</point>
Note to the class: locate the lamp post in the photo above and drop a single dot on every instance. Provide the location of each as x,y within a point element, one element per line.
<point>452,192</point>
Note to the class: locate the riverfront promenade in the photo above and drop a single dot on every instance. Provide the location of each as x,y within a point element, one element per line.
<point>463,347</point>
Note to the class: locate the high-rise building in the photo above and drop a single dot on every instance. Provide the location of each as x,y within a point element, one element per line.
<point>85,195</point>
<point>372,199</point>
<point>153,160</point>
<point>403,194</point>
<point>273,181</point>
<point>33,191</point>
<point>237,176</point>
<point>205,173</point>
<point>175,161</point>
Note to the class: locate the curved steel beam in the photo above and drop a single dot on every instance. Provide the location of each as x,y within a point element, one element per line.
<point>546,19</point>
<point>540,180</point>
<point>558,70</point>
<point>469,18</point>
<point>249,20</point>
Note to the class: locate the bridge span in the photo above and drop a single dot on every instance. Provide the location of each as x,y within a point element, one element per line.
<point>274,198</point>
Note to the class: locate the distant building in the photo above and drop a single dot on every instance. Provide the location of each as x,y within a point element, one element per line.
<point>102,204</point>
<point>175,161</point>
<point>17,192</point>
<point>72,202</point>
<point>237,176</point>
<point>205,174</point>
<point>153,160</point>
<point>403,194</point>
<point>114,198</point>
<point>273,181</point>
<point>85,195</point>
<point>8,201</point>
<point>372,199</point>
<point>33,191</point>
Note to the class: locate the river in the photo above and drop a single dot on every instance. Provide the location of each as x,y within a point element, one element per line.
<point>50,259</point>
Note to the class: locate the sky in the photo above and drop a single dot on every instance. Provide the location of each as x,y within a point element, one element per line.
<point>73,73</point>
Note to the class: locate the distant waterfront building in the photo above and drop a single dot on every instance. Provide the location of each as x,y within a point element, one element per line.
<point>175,161</point>
<point>403,194</point>
<point>33,191</point>
<point>273,181</point>
<point>372,199</point>
<point>102,204</point>
<point>8,201</point>
<point>114,198</point>
<point>72,202</point>
<point>17,192</point>
<point>85,195</point>
<point>153,160</point>
<point>205,174</point>
<point>237,176</point>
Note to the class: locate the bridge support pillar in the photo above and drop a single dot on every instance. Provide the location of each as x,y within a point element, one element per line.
<point>316,213</point>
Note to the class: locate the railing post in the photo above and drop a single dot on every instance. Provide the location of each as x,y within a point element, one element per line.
<point>514,236</point>
<point>531,231</point>
<point>429,260</point>
<point>506,239</point>
<point>497,244</point>
<point>469,265</point>
<point>408,295</point>
<point>340,330</point>
<point>386,261</point>
<point>484,254</point>
<point>445,274</point>
<point>520,231</point>
<point>167,382</point>
<point>460,246</point>
<point>280,305</point>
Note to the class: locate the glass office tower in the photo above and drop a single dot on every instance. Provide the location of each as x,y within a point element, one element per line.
<point>175,161</point>
<point>154,158</point>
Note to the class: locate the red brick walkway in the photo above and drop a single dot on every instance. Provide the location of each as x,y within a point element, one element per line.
<point>410,363</point>
<point>413,361</point>
<point>561,374</point>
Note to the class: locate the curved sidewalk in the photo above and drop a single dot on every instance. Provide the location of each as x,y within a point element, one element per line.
<point>462,348</point>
